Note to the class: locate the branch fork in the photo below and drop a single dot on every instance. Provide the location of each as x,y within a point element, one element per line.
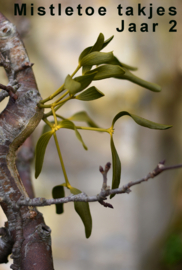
<point>10,90</point>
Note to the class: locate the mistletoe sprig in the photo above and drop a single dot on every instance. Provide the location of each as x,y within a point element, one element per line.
<point>107,66</point>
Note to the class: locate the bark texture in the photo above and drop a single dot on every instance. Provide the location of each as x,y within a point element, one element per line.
<point>25,230</point>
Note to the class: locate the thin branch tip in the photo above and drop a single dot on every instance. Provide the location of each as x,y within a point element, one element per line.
<point>104,193</point>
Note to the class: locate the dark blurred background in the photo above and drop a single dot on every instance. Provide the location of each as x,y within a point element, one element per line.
<point>144,231</point>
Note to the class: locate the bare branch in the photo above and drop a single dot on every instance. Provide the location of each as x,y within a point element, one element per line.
<point>17,121</point>
<point>82,197</point>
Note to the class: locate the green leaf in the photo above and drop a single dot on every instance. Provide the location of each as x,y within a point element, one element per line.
<point>132,78</point>
<point>83,117</point>
<point>108,71</point>
<point>141,121</point>
<point>58,192</point>
<point>85,80</point>
<point>70,125</point>
<point>96,58</point>
<point>98,44</point>
<point>120,72</point>
<point>86,69</point>
<point>106,42</point>
<point>91,93</point>
<point>116,164</point>
<point>83,210</point>
<point>115,61</point>
<point>71,85</point>
<point>84,53</point>
<point>40,151</point>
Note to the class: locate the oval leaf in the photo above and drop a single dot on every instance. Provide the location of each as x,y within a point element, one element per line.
<point>116,164</point>
<point>141,121</point>
<point>91,93</point>
<point>71,85</point>
<point>85,80</point>
<point>97,47</point>
<point>83,210</point>
<point>84,53</point>
<point>40,151</point>
<point>58,192</point>
<point>98,44</point>
<point>83,117</point>
<point>86,69</point>
<point>70,125</point>
<point>96,58</point>
<point>108,71</point>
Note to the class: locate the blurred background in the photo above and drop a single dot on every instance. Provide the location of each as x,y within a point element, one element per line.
<point>144,230</point>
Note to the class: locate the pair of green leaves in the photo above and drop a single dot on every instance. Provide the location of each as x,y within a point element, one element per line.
<point>116,163</point>
<point>82,208</point>
<point>78,84</point>
<point>44,139</point>
<point>97,47</point>
<point>48,132</point>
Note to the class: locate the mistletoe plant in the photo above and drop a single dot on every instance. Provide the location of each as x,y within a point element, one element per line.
<point>95,65</point>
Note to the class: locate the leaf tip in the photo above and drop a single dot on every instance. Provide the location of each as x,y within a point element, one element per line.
<point>87,235</point>
<point>112,195</point>
<point>85,147</point>
<point>158,88</point>
<point>169,126</point>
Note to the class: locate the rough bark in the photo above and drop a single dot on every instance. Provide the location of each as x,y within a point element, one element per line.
<point>23,162</point>
<point>25,227</point>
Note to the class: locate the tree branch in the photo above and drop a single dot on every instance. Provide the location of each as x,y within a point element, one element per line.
<point>17,121</point>
<point>82,197</point>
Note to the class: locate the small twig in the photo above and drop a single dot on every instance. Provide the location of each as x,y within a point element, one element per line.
<point>104,174</point>
<point>7,88</point>
<point>104,185</point>
<point>3,95</point>
<point>82,197</point>
<point>10,89</point>
<point>106,204</point>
